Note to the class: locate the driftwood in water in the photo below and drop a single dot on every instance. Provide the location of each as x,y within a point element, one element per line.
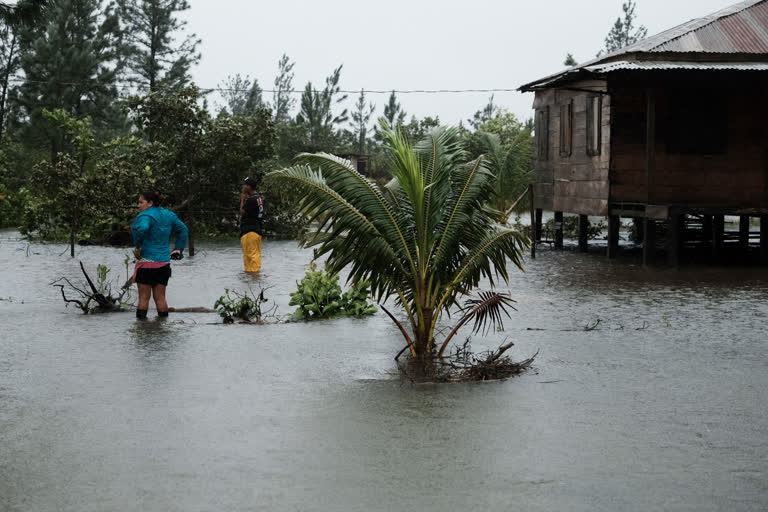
<point>463,365</point>
<point>89,298</point>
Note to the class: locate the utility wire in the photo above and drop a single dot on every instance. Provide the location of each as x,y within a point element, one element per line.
<point>288,91</point>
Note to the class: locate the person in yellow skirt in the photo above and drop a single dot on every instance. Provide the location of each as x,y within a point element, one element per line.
<point>251,224</point>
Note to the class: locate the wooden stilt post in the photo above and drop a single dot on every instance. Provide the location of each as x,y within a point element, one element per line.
<point>718,233</point>
<point>533,222</point>
<point>539,221</point>
<point>707,232</point>
<point>744,233</point>
<point>674,239</point>
<point>583,233</point>
<point>764,239</point>
<point>649,240</point>
<point>614,221</point>
<point>558,230</point>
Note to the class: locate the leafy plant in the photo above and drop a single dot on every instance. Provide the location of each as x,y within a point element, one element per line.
<point>246,307</point>
<point>355,300</point>
<point>426,238</point>
<point>319,295</point>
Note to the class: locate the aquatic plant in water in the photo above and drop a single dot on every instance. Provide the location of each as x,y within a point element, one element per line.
<point>319,295</point>
<point>246,307</point>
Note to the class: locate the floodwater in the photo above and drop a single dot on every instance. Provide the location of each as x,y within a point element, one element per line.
<point>663,406</point>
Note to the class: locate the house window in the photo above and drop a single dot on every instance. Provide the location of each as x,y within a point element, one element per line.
<point>594,117</point>
<point>566,128</point>
<point>542,133</point>
<point>697,123</point>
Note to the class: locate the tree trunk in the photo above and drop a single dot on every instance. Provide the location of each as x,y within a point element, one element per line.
<point>191,242</point>
<point>72,240</point>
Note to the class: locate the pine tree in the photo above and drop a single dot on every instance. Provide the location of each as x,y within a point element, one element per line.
<point>316,116</point>
<point>242,97</point>
<point>361,116</point>
<point>623,33</point>
<point>10,64</point>
<point>393,112</point>
<point>570,61</point>
<point>154,59</point>
<point>71,63</point>
<point>282,99</point>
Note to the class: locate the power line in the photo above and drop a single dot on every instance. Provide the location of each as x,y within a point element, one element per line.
<point>288,91</point>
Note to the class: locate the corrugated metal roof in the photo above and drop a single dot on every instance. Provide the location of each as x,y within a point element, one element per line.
<point>741,28</point>
<point>676,65</point>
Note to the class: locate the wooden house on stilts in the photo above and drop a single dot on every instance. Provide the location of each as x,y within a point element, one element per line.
<point>672,130</point>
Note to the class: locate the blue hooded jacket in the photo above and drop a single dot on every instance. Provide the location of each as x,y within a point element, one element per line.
<point>152,231</point>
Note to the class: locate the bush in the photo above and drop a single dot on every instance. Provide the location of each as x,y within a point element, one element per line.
<point>319,295</point>
<point>245,307</point>
<point>571,228</point>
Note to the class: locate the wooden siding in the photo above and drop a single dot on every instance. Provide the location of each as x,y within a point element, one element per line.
<point>575,183</point>
<point>736,179</point>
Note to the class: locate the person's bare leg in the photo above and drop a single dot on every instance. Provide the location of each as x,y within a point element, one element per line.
<point>145,292</point>
<point>158,293</point>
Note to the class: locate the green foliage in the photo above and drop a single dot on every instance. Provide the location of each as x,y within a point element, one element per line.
<point>319,295</point>
<point>244,307</point>
<point>361,116</point>
<point>242,97</point>
<point>78,45</point>
<point>316,117</point>
<point>508,145</point>
<point>623,33</point>
<point>570,61</point>
<point>158,54</point>
<point>199,162</point>
<point>426,238</point>
<point>355,300</point>
<point>571,228</point>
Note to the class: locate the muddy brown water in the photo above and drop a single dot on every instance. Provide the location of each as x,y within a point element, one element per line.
<point>663,407</point>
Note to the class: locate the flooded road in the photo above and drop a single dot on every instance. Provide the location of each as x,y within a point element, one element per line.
<point>664,406</point>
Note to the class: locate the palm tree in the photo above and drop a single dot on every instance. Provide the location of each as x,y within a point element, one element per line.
<point>426,238</point>
<point>509,164</point>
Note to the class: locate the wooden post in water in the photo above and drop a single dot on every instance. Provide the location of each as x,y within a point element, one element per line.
<point>559,230</point>
<point>583,233</point>
<point>649,240</point>
<point>718,234</point>
<point>707,232</point>
<point>743,234</point>
<point>674,239</point>
<point>539,221</point>
<point>614,222</point>
<point>764,239</point>
<point>534,227</point>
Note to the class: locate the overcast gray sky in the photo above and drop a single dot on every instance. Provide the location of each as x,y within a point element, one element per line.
<point>416,44</point>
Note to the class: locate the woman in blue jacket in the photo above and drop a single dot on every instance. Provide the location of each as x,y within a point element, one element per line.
<point>152,232</point>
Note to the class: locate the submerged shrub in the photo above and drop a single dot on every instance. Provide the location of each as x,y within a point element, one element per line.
<point>244,307</point>
<point>319,295</point>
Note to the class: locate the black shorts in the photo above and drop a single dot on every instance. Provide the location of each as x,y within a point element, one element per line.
<point>153,276</point>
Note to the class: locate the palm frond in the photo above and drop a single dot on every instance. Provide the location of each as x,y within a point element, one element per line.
<point>488,309</point>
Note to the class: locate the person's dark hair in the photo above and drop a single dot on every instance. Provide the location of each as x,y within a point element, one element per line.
<point>151,196</point>
<point>251,182</point>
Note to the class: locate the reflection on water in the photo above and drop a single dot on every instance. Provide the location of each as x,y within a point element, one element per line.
<point>662,407</point>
